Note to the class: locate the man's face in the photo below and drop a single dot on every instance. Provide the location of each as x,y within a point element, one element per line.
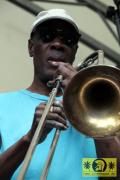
<point>52,41</point>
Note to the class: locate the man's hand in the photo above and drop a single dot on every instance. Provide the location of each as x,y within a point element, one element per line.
<point>64,69</point>
<point>55,119</point>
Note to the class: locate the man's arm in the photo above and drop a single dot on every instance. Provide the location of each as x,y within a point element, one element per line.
<point>12,157</point>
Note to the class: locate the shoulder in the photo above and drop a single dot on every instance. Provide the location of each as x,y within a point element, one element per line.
<point>7,98</point>
<point>7,95</point>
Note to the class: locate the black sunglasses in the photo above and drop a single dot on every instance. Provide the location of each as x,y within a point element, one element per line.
<point>69,38</point>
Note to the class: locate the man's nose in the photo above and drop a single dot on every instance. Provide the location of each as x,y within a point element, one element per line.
<point>57,44</point>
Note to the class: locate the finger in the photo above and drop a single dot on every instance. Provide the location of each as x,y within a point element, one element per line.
<point>57,118</point>
<point>65,67</point>
<point>51,108</point>
<point>57,107</point>
<point>55,124</point>
<point>40,106</point>
<point>57,114</point>
<point>58,104</point>
<point>39,111</point>
<point>59,63</point>
<point>54,63</point>
<point>57,110</point>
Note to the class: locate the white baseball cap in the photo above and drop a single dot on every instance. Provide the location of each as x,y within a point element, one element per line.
<point>54,14</point>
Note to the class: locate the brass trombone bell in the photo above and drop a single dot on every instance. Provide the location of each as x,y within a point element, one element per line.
<point>92,101</point>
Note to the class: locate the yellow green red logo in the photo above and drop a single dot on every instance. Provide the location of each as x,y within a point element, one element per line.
<point>101,167</point>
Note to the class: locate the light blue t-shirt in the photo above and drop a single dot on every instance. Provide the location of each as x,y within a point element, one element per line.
<point>16,117</point>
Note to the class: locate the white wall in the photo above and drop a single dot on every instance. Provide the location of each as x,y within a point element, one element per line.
<point>16,70</point>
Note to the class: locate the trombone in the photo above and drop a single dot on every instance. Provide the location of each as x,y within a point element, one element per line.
<point>91,102</point>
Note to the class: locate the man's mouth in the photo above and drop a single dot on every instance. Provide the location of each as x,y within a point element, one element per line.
<point>57,56</point>
<point>56,59</point>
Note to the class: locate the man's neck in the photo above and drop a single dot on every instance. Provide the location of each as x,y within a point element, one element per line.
<point>39,87</point>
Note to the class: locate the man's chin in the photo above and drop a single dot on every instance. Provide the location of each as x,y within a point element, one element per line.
<point>47,78</point>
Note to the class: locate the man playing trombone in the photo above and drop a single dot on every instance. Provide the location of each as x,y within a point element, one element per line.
<point>53,45</point>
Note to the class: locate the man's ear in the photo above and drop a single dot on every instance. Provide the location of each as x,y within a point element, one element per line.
<point>31,47</point>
